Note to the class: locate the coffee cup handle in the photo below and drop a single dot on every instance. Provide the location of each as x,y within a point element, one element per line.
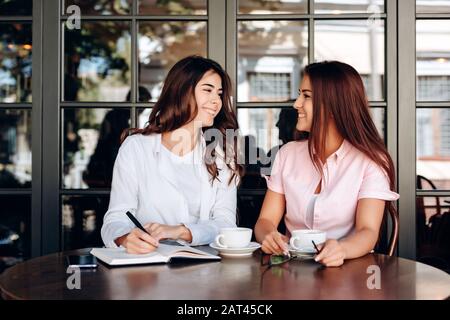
<point>218,243</point>
<point>292,243</point>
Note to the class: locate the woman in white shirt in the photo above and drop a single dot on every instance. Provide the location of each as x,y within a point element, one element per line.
<point>174,181</point>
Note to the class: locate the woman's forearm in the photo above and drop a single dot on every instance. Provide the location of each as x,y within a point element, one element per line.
<point>360,243</point>
<point>262,228</point>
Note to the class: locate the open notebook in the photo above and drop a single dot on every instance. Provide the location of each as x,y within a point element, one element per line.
<point>164,254</point>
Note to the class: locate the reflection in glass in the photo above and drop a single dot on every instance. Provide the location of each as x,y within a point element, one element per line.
<point>82,219</point>
<point>433,147</point>
<point>90,144</point>
<point>15,62</point>
<point>433,60</point>
<point>433,6</point>
<point>143,116</point>
<point>97,62</point>
<point>272,6</point>
<point>173,7</point>
<point>378,115</point>
<point>162,44</point>
<point>105,7</point>
<point>349,6</point>
<point>358,43</point>
<point>14,230</point>
<point>433,230</point>
<point>271,56</point>
<point>16,7</point>
<point>15,148</point>
<point>259,125</point>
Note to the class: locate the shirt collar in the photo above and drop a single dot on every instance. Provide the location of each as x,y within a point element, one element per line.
<point>159,142</point>
<point>342,151</point>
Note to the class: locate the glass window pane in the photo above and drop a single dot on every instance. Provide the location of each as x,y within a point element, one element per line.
<point>432,6</point>
<point>358,43</point>
<point>349,6</point>
<point>15,148</point>
<point>433,60</point>
<point>179,7</point>
<point>143,116</point>
<point>271,56</point>
<point>378,117</point>
<point>90,144</point>
<point>433,231</point>
<point>162,44</point>
<point>15,230</point>
<point>15,62</point>
<point>97,63</point>
<point>105,7</point>
<point>272,7</point>
<point>260,133</point>
<point>433,148</point>
<point>16,7</point>
<point>82,219</point>
<point>263,132</point>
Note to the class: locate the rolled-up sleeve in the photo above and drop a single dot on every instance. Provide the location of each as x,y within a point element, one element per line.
<point>275,181</point>
<point>375,185</point>
<point>124,195</point>
<point>222,215</point>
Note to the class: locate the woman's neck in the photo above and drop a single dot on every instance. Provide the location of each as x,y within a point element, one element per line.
<point>333,142</point>
<point>182,140</point>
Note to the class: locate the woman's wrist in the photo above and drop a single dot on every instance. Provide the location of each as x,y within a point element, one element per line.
<point>184,233</point>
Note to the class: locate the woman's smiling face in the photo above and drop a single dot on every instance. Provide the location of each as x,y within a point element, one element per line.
<point>304,106</point>
<point>208,96</point>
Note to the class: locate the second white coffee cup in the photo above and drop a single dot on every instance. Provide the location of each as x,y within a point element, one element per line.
<point>234,237</point>
<point>302,240</point>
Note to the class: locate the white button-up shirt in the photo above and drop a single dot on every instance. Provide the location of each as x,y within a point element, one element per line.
<point>146,186</point>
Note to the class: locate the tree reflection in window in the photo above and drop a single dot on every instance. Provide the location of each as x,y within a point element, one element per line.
<point>15,62</point>
<point>102,7</point>
<point>97,62</point>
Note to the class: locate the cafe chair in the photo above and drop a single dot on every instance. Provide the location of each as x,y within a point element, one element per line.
<point>433,233</point>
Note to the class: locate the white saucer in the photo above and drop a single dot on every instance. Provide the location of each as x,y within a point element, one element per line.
<point>305,252</point>
<point>237,252</point>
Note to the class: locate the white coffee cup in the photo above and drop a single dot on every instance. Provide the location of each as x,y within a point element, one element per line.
<point>302,240</point>
<point>234,238</point>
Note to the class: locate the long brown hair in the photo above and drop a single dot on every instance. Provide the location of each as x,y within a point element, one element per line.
<point>338,94</point>
<point>176,103</point>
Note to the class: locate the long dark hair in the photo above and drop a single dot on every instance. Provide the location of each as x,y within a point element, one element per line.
<point>176,103</point>
<point>338,94</point>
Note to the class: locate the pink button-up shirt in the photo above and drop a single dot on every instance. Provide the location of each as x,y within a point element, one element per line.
<point>349,175</point>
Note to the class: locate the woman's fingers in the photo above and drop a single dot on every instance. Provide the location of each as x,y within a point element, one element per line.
<point>153,227</point>
<point>274,244</point>
<point>266,248</point>
<point>332,258</point>
<point>268,245</point>
<point>148,238</point>
<point>333,263</point>
<point>281,243</point>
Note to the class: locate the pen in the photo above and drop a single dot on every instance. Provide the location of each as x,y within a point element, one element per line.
<point>315,246</point>
<point>136,222</point>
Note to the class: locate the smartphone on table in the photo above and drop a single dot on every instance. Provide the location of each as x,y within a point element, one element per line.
<point>82,261</point>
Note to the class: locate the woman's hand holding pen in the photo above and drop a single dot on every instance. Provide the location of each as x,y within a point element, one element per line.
<point>163,231</point>
<point>332,254</point>
<point>138,242</point>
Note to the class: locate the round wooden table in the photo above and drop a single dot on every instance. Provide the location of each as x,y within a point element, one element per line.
<point>232,278</point>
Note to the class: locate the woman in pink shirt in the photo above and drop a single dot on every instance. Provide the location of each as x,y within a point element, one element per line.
<point>340,180</point>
